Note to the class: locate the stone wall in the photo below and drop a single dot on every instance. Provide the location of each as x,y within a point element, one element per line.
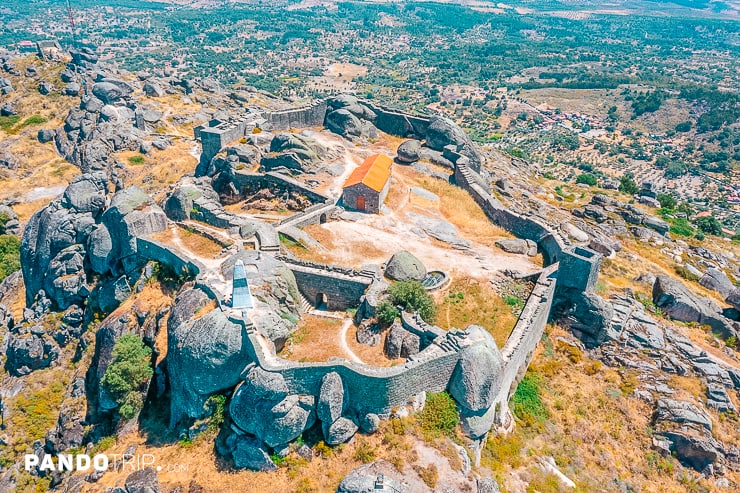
<point>316,214</point>
<point>159,252</point>
<point>343,287</point>
<point>243,179</point>
<point>399,124</point>
<point>414,324</point>
<point>519,347</point>
<point>307,116</point>
<point>379,390</point>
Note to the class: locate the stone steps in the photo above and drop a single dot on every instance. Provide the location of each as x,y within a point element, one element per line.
<point>305,306</point>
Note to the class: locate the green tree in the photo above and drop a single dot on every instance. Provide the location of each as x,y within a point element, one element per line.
<point>128,373</point>
<point>386,313</point>
<point>627,185</point>
<point>586,178</point>
<point>709,225</point>
<point>412,296</point>
<point>667,201</point>
<point>10,255</point>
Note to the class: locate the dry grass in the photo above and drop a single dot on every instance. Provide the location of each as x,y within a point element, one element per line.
<point>317,339</point>
<point>39,164</point>
<point>372,355</point>
<point>479,305</point>
<point>595,432</point>
<point>193,242</point>
<point>457,207</point>
<point>197,464</point>
<point>161,168</point>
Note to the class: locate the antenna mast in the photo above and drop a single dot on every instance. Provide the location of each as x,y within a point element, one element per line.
<point>71,23</point>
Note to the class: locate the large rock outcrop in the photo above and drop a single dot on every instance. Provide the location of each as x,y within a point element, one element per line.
<point>262,406</point>
<point>404,266</point>
<point>296,152</point>
<point>676,301</point>
<point>209,342</point>
<point>443,132</point>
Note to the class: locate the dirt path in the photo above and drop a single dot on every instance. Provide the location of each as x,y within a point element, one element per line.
<point>343,342</point>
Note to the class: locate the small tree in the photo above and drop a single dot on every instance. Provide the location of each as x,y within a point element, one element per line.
<point>128,373</point>
<point>387,313</point>
<point>412,296</point>
<point>667,201</point>
<point>627,185</point>
<point>709,225</point>
<point>586,178</point>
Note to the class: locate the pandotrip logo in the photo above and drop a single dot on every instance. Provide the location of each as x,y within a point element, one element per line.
<point>99,462</point>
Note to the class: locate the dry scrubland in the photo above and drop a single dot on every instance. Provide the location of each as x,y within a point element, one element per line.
<point>39,165</point>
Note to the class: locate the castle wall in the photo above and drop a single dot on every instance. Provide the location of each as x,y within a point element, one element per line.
<point>159,252</point>
<point>343,287</point>
<point>307,116</point>
<point>243,179</point>
<point>396,123</point>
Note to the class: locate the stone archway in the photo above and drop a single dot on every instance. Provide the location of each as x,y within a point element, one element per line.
<point>322,219</point>
<point>321,301</point>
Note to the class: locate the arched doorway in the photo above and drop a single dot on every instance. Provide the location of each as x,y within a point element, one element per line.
<point>321,301</point>
<point>322,219</point>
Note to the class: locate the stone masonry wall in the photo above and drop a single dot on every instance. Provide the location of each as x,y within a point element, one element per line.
<point>307,116</point>
<point>341,292</point>
<point>242,179</point>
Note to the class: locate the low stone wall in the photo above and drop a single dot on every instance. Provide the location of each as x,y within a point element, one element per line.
<point>243,179</point>
<point>519,347</point>
<point>414,324</point>
<point>159,252</point>
<point>308,116</point>
<point>194,228</point>
<point>342,287</point>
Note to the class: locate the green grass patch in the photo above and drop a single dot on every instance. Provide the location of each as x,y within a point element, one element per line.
<point>439,416</point>
<point>10,255</point>
<point>32,120</point>
<point>8,122</point>
<point>136,159</point>
<point>527,402</point>
<point>681,227</point>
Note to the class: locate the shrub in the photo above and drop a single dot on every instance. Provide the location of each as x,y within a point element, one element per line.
<point>128,373</point>
<point>586,178</point>
<point>138,159</point>
<point>627,185</point>
<point>387,313</point>
<point>686,273</point>
<point>526,403</point>
<point>365,453</point>
<point>667,201</point>
<point>439,416</point>
<point>217,406</point>
<point>10,255</point>
<point>682,227</point>
<point>412,296</point>
<point>428,474</point>
<point>709,225</point>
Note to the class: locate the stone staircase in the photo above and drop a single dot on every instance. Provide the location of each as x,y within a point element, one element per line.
<point>450,343</point>
<point>305,305</point>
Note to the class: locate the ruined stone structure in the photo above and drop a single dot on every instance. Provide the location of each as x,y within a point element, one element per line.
<point>480,376</point>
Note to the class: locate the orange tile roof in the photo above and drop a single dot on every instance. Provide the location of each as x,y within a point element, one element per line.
<point>373,173</point>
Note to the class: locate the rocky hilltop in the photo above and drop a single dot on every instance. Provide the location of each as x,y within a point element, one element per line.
<point>120,331</point>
